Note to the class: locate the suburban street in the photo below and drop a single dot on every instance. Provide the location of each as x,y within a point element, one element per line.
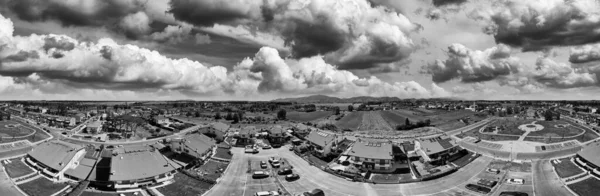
<point>6,186</point>
<point>545,180</point>
<point>236,182</point>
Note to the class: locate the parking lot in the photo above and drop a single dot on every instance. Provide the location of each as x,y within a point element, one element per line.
<point>527,187</point>
<point>271,183</point>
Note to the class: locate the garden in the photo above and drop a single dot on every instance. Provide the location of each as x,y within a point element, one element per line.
<point>184,185</point>
<point>587,187</point>
<point>566,168</point>
<point>16,168</point>
<point>41,187</point>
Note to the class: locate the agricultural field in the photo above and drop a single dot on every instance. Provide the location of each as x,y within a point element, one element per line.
<point>450,120</point>
<point>413,116</point>
<point>350,121</point>
<point>373,121</point>
<point>307,116</point>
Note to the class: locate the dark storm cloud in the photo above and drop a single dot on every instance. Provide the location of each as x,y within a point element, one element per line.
<point>441,3</point>
<point>208,12</point>
<point>58,43</point>
<point>311,39</point>
<point>538,26</point>
<point>21,56</point>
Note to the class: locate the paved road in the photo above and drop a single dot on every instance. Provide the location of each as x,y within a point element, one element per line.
<point>235,181</point>
<point>6,186</point>
<point>545,180</point>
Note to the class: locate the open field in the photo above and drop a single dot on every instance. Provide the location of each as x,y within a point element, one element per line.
<point>413,116</point>
<point>184,185</point>
<point>566,168</point>
<point>557,128</point>
<point>450,120</point>
<point>307,116</point>
<point>17,131</point>
<point>17,168</point>
<point>510,126</point>
<point>212,169</point>
<point>372,121</point>
<point>587,187</point>
<point>350,120</point>
<point>25,131</point>
<point>41,187</point>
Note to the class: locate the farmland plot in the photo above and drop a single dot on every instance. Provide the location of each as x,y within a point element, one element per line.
<point>372,121</point>
<point>350,121</point>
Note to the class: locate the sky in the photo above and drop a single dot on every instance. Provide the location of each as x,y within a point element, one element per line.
<point>268,49</point>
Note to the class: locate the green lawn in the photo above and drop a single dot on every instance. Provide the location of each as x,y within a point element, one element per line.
<point>350,120</point>
<point>41,187</point>
<point>212,169</point>
<point>587,187</point>
<point>307,116</point>
<point>184,185</point>
<point>18,131</point>
<point>566,168</point>
<point>17,168</point>
<point>550,129</point>
<point>223,153</point>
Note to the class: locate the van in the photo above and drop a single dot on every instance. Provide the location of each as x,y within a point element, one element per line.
<point>262,193</point>
<point>260,174</point>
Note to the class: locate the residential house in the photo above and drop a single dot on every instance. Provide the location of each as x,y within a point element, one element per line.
<point>373,156</point>
<point>436,150</point>
<point>277,135</point>
<point>244,136</point>
<point>94,127</point>
<point>198,146</point>
<point>323,144</point>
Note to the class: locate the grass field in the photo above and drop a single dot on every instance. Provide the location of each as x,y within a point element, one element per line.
<point>41,187</point>
<point>17,168</point>
<point>307,116</point>
<point>351,120</point>
<point>413,116</point>
<point>18,131</point>
<point>373,121</point>
<point>550,129</point>
<point>223,153</point>
<point>587,187</point>
<point>212,169</point>
<point>184,185</point>
<point>566,168</point>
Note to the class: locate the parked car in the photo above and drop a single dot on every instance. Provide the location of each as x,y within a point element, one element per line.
<point>260,174</point>
<point>314,192</point>
<point>285,171</point>
<point>291,177</point>
<point>487,183</point>
<point>515,181</point>
<point>266,146</point>
<point>477,188</point>
<point>493,171</point>
<point>263,164</point>
<point>267,193</point>
<point>274,162</point>
<point>513,193</point>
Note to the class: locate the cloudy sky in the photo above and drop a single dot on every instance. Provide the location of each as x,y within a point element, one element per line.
<point>266,49</point>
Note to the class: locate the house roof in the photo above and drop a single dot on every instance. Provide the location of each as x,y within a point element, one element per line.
<point>135,164</point>
<point>219,126</point>
<point>248,130</point>
<point>277,129</point>
<point>371,150</point>
<point>436,144</point>
<point>198,142</point>
<point>590,153</point>
<point>94,124</point>
<point>320,138</point>
<point>55,154</point>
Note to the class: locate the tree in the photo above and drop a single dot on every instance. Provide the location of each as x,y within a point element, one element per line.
<point>337,110</point>
<point>218,115</point>
<point>188,114</point>
<point>557,116</point>
<point>406,122</point>
<point>197,114</point>
<point>235,118</point>
<point>281,114</point>
<point>350,108</point>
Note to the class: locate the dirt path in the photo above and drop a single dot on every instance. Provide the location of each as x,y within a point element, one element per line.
<point>372,121</point>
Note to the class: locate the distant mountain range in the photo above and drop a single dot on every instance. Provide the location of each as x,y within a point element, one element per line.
<point>328,99</point>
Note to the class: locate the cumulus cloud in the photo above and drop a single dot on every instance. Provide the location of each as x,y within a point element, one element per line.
<point>540,24</point>
<point>441,3</point>
<point>102,67</point>
<point>350,34</point>
<point>437,91</point>
<point>561,75</point>
<point>584,54</point>
<point>473,65</point>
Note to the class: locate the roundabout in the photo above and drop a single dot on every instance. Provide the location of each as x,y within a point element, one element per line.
<point>531,127</point>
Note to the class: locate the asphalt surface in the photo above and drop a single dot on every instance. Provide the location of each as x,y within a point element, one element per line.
<point>7,187</point>
<point>236,180</point>
<point>545,180</point>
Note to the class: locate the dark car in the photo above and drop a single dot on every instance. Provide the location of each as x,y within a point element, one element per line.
<point>285,171</point>
<point>477,188</point>
<point>315,192</point>
<point>263,164</point>
<point>291,177</point>
<point>513,193</point>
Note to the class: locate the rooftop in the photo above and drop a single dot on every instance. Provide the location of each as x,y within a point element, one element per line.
<point>590,153</point>
<point>55,154</point>
<point>94,124</point>
<point>136,163</point>
<point>371,150</point>
<point>198,142</point>
<point>219,126</point>
<point>320,138</point>
<point>436,144</point>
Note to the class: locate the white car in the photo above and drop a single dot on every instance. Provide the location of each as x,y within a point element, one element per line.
<point>515,181</point>
<point>493,171</point>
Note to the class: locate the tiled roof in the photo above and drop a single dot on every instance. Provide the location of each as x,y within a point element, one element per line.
<point>590,153</point>
<point>83,169</point>
<point>222,127</point>
<point>198,142</point>
<point>320,138</point>
<point>436,144</point>
<point>371,150</point>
